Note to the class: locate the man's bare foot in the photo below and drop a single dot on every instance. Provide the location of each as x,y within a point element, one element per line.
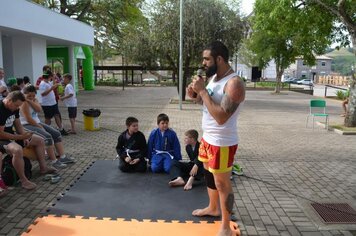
<point>28,185</point>
<point>189,184</point>
<point>177,182</point>
<point>48,170</point>
<point>232,231</point>
<point>206,212</point>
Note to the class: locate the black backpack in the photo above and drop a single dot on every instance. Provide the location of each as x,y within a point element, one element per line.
<point>9,175</point>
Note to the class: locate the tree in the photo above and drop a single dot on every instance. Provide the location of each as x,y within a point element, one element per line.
<point>343,14</point>
<point>281,32</point>
<point>204,21</point>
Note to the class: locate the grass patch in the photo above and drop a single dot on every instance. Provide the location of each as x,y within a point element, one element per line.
<point>343,128</point>
<point>176,101</point>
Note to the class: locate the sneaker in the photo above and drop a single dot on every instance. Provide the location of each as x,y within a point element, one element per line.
<point>2,184</point>
<point>63,132</point>
<point>67,160</point>
<point>59,165</point>
<point>237,169</point>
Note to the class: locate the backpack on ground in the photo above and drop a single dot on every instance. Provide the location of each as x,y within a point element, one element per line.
<point>9,175</point>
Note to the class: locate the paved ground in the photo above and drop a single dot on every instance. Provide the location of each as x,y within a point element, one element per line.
<point>288,166</point>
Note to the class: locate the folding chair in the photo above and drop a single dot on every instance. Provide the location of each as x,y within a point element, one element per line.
<point>317,108</point>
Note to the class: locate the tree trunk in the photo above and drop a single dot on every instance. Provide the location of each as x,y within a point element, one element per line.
<point>350,118</point>
<point>173,77</point>
<point>279,73</point>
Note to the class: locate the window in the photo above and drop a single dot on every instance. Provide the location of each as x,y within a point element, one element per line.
<point>304,63</point>
<point>323,63</point>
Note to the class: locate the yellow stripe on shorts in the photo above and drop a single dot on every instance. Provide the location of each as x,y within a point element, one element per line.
<point>224,158</point>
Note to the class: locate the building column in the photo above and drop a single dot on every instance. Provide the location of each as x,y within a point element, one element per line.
<point>1,57</point>
<point>29,56</point>
<point>73,67</point>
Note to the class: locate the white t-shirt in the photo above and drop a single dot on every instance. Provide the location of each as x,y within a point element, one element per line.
<point>49,99</point>
<point>71,101</point>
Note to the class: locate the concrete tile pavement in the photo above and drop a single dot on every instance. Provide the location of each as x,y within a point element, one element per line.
<point>289,165</point>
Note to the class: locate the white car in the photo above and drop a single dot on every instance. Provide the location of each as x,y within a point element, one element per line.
<point>305,82</point>
<point>149,80</point>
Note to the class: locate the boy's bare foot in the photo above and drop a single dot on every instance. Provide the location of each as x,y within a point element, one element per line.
<point>177,182</point>
<point>343,115</point>
<point>206,212</point>
<point>189,184</point>
<point>28,185</point>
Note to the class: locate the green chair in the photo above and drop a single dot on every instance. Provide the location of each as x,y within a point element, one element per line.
<point>317,108</point>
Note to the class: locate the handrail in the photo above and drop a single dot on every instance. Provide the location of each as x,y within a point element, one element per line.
<point>331,86</point>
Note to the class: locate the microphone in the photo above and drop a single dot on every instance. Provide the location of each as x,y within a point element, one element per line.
<point>200,73</point>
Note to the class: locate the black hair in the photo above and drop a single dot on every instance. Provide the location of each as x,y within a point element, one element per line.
<point>29,89</point>
<point>26,79</point>
<point>162,117</point>
<point>19,81</point>
<point>216,49</point>
<point>46,68</point>
<point>130,120</point>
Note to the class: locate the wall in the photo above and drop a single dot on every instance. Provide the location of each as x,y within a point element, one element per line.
<point>1,59</point>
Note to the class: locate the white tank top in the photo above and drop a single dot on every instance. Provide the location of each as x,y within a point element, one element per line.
<point>213,133</point>
<point>34,116</point>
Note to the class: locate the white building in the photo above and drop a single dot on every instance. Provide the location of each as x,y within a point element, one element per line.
<point>254,73</point>
<point>28,29</point>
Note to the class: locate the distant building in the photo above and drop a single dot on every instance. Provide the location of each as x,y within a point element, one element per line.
<point>254,73</point>
<point>301,70</point>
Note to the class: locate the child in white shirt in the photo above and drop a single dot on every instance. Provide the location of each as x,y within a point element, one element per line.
<point>70,100</point>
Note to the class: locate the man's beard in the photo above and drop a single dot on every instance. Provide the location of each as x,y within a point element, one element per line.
<point>211,70</point>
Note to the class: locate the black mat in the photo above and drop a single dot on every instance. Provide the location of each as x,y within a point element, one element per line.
<point>104,191</point>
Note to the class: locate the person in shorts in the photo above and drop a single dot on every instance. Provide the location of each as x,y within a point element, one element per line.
<point>70,100</point>
<point>49,103</point>
<point>222,99</point>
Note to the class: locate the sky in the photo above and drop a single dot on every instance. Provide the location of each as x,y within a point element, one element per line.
<point>247,6</point>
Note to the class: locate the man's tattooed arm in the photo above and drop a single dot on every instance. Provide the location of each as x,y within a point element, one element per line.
<point>228,105</point>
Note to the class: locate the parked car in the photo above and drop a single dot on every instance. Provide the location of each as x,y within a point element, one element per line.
<point>305,82</point>
<point>288,80</point>
<point>294,81</point>
<point>150,80</point>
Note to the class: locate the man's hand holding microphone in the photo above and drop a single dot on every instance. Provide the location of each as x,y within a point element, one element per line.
<point>197,85</point>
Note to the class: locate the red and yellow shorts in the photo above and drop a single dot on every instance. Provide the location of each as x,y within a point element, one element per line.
<point>220,159</point>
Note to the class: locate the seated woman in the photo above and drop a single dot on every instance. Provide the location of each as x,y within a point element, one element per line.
<point>30,121</point>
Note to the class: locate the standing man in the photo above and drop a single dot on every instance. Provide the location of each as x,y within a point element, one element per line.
<point>3,87</point>
<point>222,99</point>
